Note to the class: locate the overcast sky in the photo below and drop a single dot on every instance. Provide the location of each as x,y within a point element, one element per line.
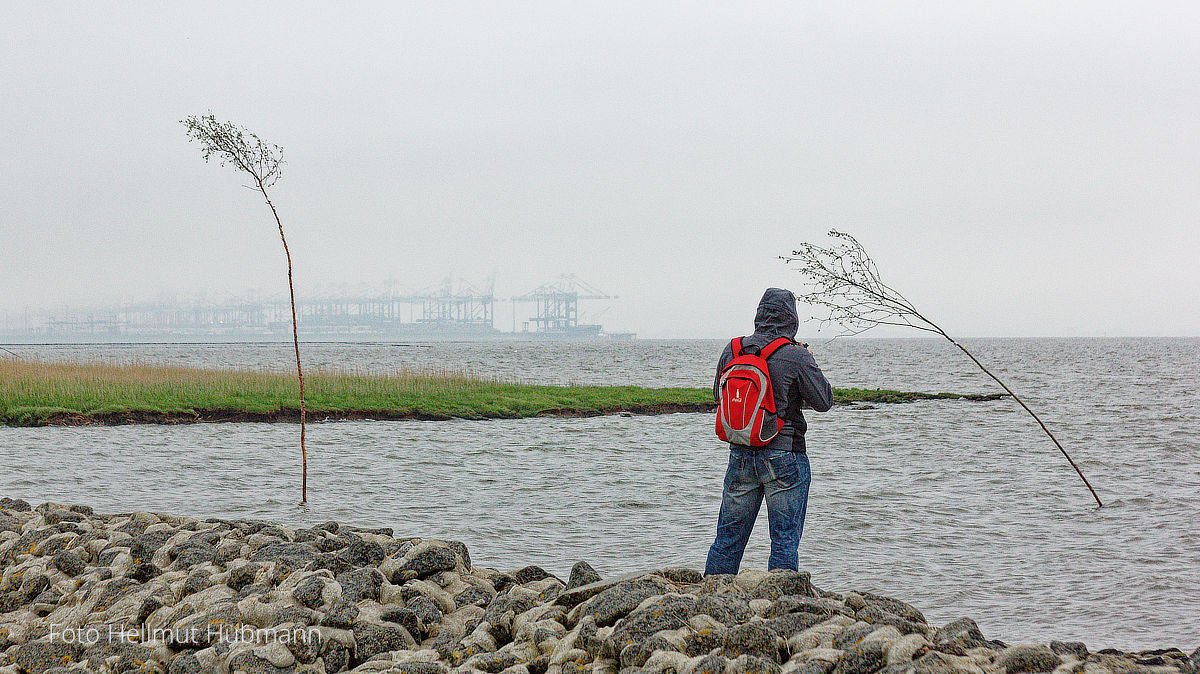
<point>1015,168</point>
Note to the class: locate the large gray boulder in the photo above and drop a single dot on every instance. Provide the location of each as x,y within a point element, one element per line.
<point>1017,659</point>
<point>36,657</point>
<point>781,582</point>
<point>582,574</point>
<point>863,658</point>
<point>668,612</point>
<point>617,601</point>
<point>958,637</point>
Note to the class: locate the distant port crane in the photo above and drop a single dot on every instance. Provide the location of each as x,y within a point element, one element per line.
<point>557,307</point>
<point>452,309</point>
<point>449,310</point>
<point>447,306</point>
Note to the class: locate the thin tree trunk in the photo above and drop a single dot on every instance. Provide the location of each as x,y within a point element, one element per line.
<point>296,342</point>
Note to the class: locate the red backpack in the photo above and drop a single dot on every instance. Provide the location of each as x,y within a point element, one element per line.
<point>746,407</point>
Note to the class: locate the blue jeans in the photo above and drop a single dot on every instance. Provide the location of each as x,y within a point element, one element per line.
<point>779,476</point>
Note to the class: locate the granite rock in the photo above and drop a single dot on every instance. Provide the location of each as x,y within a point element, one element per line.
<point>781,582</point>
<point>582,573</point>
<point>957,637</point>
<point>617,601</point>
<point>1028,659</point>
<point>863,658</point>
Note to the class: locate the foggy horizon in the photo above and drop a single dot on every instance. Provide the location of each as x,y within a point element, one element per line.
<point>505,312</point>
<point>1016,170</point>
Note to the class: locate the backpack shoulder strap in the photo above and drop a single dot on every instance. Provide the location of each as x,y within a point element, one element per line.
<point>774,346</point>
<point>736,345</point>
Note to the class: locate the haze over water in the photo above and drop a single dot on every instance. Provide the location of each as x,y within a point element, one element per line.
<point>665,152</point>
<point>961,508</point>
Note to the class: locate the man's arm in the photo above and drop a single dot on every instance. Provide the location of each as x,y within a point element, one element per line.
<point>813,387</point>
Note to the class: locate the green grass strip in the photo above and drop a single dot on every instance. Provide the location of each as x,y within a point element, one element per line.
<point>36,393</point>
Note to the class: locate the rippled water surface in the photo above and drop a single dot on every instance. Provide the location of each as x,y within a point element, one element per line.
<point>961,508</point>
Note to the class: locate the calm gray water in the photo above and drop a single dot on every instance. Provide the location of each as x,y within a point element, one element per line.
<point>961,508</point>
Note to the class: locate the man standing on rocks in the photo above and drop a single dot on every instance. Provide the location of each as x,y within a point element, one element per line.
<point>779,471</point>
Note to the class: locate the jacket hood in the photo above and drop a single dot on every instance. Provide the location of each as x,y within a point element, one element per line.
<point>776,315</point>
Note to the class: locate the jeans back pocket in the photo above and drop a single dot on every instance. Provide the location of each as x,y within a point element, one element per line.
<point>784,466</point>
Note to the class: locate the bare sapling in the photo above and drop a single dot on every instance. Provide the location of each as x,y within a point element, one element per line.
<point>844,280</point>
<point>245,151</point>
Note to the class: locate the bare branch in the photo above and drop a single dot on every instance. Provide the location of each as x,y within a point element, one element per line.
<point>231,144</point>
<point>844,280</point>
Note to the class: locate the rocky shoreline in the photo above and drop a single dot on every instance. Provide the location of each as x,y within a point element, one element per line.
<point>150,592</point>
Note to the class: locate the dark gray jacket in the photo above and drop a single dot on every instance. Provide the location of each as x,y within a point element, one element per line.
<point>795,377</point>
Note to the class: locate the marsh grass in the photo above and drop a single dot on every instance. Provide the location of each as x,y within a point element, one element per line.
<point>34,391</point>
